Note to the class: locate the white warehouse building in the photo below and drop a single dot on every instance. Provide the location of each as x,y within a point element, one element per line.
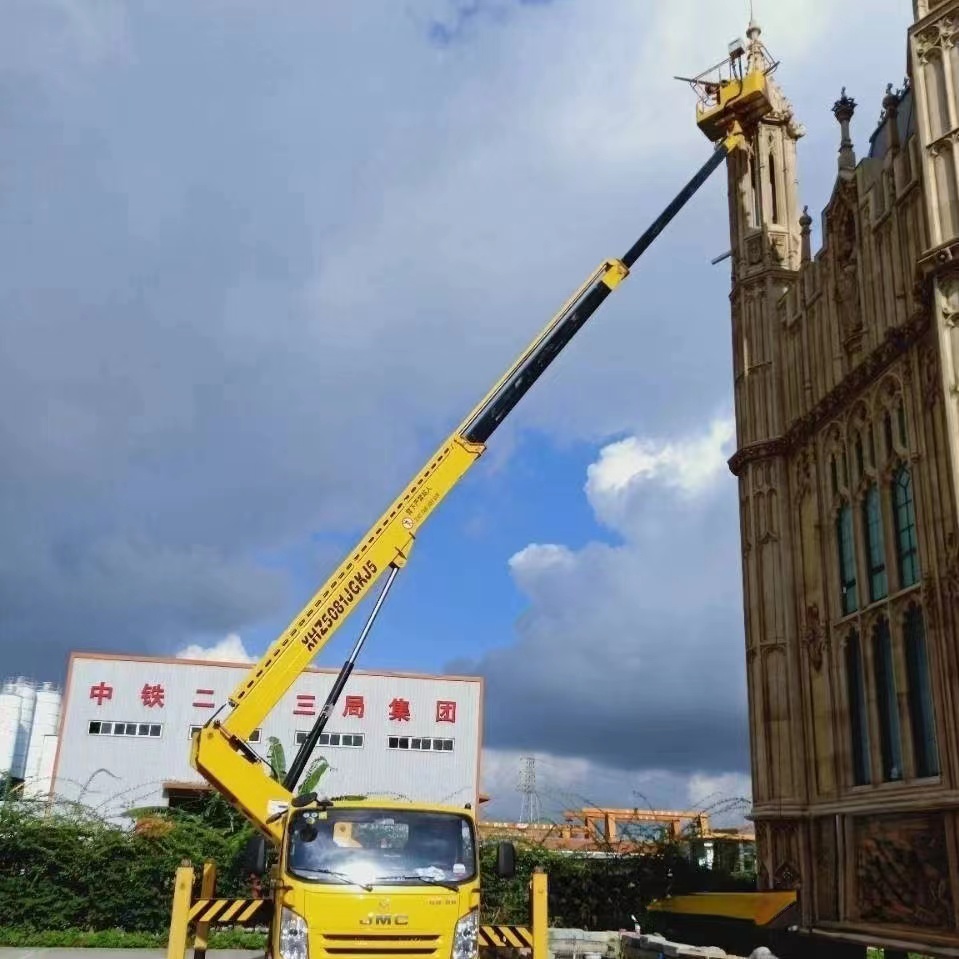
<point>124,737</point>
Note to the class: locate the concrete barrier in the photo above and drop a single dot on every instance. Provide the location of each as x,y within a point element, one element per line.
<point>580,944</point>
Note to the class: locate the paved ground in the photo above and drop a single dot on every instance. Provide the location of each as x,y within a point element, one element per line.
<point>118,953</point>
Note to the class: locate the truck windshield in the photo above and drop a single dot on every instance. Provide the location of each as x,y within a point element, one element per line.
<point>380,846</point>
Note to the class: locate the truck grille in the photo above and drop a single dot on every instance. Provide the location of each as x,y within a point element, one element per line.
<point>334,946</point>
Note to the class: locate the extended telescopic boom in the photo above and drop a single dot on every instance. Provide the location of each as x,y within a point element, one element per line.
<point>220,751</point>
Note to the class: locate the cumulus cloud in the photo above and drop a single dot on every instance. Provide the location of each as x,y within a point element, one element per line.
<point>631,655</point>
<point>689,467</point>
<point>230,649</point>
<point>239,307</point>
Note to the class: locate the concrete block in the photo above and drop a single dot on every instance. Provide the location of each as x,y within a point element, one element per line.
<point>651,940</point>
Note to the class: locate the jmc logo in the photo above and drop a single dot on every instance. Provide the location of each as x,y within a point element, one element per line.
<point>382,920</point>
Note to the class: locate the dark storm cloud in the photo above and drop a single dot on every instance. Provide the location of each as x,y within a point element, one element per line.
<point>221,322</point>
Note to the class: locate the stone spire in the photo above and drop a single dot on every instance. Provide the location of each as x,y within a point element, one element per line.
<point>754,48</point>
<point>843,109</point>
<point>805,228</point>
<point>890,108</point>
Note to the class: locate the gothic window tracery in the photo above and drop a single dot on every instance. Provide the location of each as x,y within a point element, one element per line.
<point>907,550</point>
<point>856,706</point>
<point>919,691</point>
<point>890,740</point>
<point>868,484</point>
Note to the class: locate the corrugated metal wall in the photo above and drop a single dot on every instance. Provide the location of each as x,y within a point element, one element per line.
<point>157,701</point>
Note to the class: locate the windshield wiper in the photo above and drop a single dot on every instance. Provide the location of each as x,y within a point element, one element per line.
<point>445,883</point>
<point>342,876</point>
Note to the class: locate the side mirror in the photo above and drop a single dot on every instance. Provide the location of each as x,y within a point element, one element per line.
<point>505,860</point>
<point>253,858</point>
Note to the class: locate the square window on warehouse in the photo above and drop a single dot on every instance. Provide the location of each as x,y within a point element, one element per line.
<point>420,743</point>
<point>99,728</point>
<point>332,739</point>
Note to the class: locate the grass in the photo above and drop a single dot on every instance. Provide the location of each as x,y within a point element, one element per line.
<point>118,939</point>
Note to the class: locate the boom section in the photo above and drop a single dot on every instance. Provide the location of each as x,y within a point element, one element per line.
<point>220,751</point>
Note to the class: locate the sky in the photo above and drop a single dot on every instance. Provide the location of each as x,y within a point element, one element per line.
<point>257,265</point>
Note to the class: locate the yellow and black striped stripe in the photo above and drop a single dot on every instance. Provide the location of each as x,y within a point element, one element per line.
<point>519,937</point>
<point>239,911</point>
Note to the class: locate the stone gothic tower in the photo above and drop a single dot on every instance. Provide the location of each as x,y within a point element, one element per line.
<point>846,380</point>
<point>766,245</point>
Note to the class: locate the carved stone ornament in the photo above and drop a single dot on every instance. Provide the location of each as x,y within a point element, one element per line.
<point>778,245</point>
<point>782,829</point>
<point>755,451</point>
<point>949,285</point>
<point>815,636</point>
<point>902,871</point>
<point>935,37</point>
<point>896,341</point>
<point>847,280</point>
<point>786,877</point>
<point>870,620</point>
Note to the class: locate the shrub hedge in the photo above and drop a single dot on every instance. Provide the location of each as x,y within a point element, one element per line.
<point>63,871</point>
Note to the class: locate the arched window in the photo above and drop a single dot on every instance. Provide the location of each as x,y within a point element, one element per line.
<point>856,697</point>
<point>921,713</point>
<point>754,189</point>
<point>901,423</point>
<point>847,561</point>
<point>887,433</point>
<point>875,546</point>
<point>773,192</point>
<point>907,550</point>
<point>886,702</point>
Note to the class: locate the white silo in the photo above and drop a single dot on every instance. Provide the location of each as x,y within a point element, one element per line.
<point>9,725</point>
<point>46,720</point>
<point>28,701</point>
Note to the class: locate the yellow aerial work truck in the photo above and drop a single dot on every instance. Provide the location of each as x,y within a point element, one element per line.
<point>357,876</point>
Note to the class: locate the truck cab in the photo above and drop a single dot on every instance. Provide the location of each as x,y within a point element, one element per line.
<point>364,877</point>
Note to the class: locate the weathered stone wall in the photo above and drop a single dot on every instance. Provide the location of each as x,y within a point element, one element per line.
<point>579,944</point>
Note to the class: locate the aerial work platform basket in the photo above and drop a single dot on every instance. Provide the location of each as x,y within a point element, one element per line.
<point>733,96</point>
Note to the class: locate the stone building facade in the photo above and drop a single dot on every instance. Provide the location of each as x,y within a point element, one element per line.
<point>846,367</point>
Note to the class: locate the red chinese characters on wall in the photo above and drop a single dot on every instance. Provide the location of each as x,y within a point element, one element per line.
<point>152,695</point>
<point>305,705</point>
<point>101,692</point>
<point>203,699</point>
<point>354,706</point>
<point>400,710</point>
<point>445,711</point>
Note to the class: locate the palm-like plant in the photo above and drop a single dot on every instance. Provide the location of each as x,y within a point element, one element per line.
<point>276,756</point>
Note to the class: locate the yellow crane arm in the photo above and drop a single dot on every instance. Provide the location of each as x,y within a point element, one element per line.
<point>219,750</point>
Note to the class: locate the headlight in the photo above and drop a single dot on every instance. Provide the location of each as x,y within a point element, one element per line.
<point>466,937</point>
<point>294,943</point>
